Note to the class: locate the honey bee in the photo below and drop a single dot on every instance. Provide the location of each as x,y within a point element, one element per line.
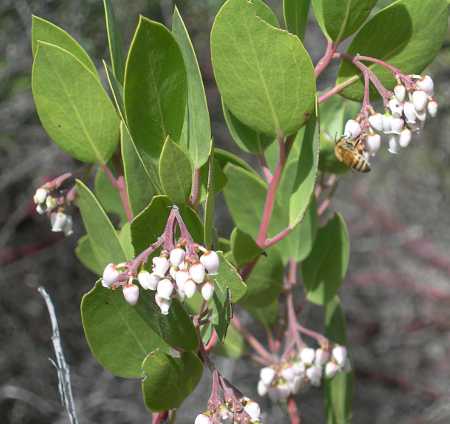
<point>351,152</point>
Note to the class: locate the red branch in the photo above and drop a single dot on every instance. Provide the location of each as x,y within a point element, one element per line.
<point>293,411</point>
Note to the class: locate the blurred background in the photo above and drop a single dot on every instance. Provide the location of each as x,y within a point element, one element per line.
<point>396,295</point>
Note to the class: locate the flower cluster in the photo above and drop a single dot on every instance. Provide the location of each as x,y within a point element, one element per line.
<point>175,273</point>
<point>52,199</point>
<point>307,368</point>
<point>180,270</point>
<point>405,114</point>
<point>246,411</point>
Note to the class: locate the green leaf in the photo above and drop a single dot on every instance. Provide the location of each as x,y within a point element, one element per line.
<point>141,182</point>
<point>228,277</point>
<point>233,346</point>
<point>43,30</point>
<point>247,139</point>
<point>296,16</point>
<point>102,235</point>
<point>86,255</point>
<point>197,129</point>
<point>224,157</point>
<point>299,243</point>
<point>72,105</point>
<point>210,203</point>
<point>116,91</point>
<point>265,282</point>
<point>266,315</point>
<point>150,223</point>
<point>108,196</point>
<point>340,19</point>
<point>325,268</point>
<point>125,240</point>
<point>155,87</point>
<point>120,336</point>
<point>339,390</point>
<point>244,247</point>
<point>115,42</point>
<point>169,380</point>
<point>271,90</point>
<point>221,310</point>
<point>175,172</point>
<point>299,177</point>
<point>407,34</point>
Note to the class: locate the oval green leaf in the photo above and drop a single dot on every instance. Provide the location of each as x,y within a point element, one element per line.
<point>119,335</point>
<point>175,172</point>
<point>73,106</point>
<point>296,16</point>
<point>196,135</point>
<point>325,268</point>
<point>340,19</point>
<point>43,30</point>
<point>272,89</point>
<point>115,42</point>
<point>169,380</point>
<point>102,235</point>
<point>407,34</point>
<point>155,87</point>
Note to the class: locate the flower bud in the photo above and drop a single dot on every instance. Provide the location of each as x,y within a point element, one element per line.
<point>307,355</point>
<point>288,374</point>
<point>433,108</point>
<point>426,84</point>
<point>68,226</point>
<point>177,256</point>
<point>397,125</point>
<point>393,144</point>
<point>283,391</point>
<point>148,281</point>
<point>207,290</point>
<point>339,355</point>
<point>331,369</point>
<point>299,368</point>
<point>131,293</point>
<point>267,375</point>
<point>322,357</point>
<point>58,221</point>
<point>189,288</point>
<point>420,100</point>
<point>376,122</point>
<point>314,375</point>
<point>410,113</point>
<point>160,266</point>
<point>165,289</point>
<point>253,410</point>
<point>202,419</point>
<point>110,274</point>
<point>261,388</point>
<point>164,304</point>
<point>197,272</point>
<point>400,92</point>
<point>210,261</point>
<point>40,210</point>
<point>405,137</point>
<point>352,129</point>
<point>40,196</point>
<point>395,107</point>
<point>387,123</point>
<point>373,143</point>
<point>50,203</point>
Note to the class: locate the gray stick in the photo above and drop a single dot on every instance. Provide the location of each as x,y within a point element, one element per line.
<point>62,369</point>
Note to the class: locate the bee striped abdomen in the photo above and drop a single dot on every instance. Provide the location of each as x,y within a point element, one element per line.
<point>351,154</point>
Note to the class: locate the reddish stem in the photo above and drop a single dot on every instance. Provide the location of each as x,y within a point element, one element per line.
<point>252,341</point>
<point>335,90</point>
<point>326,59</point>
<point>293,410</point>
<point>284,146</point>
<point>120,185</point>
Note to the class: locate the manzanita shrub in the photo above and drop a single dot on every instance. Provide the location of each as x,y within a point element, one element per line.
<point>170,289</point>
